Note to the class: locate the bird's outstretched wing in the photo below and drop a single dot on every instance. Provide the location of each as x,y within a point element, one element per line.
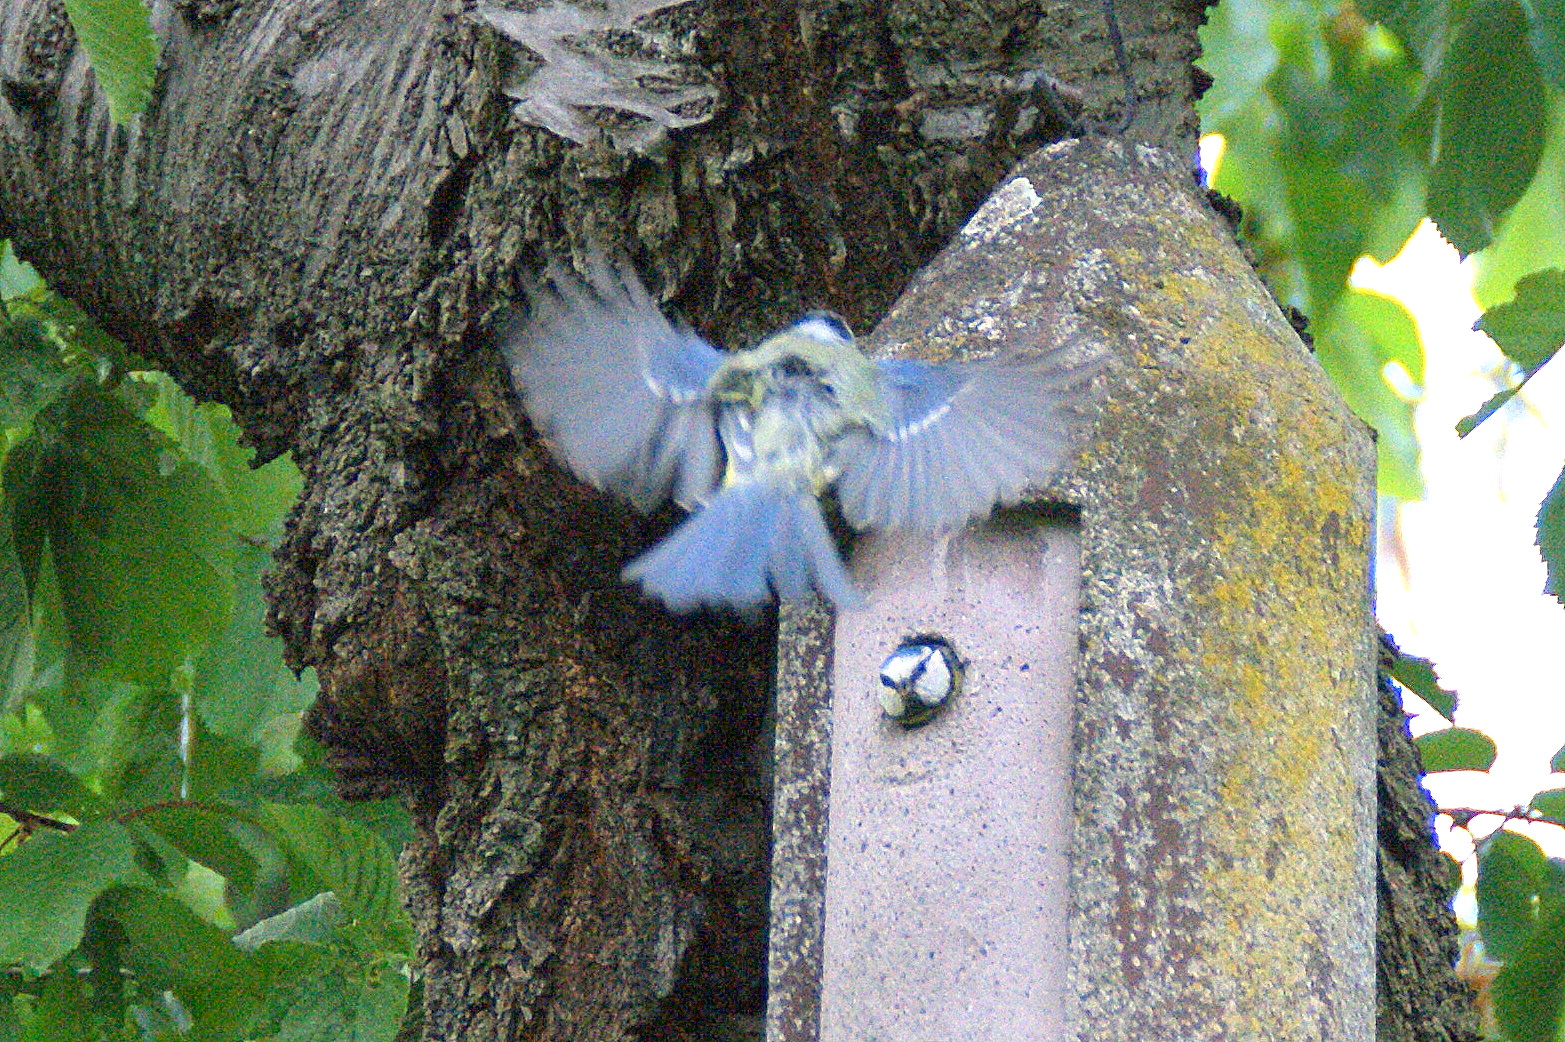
<point>619,390</point>
<point>962,439</point>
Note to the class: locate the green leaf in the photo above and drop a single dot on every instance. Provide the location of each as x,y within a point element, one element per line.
<point>1530,327</point>
<point>205,835</point>
<point>1528,992</point>
<point>1365,333</point>
<point>70,712</point>
<point>320,996</point>
<point>45,786</point>
<point>345,858</point>
<point>1532,236</point>
<point>47,886</point>
<point>139,539</point>
<point>1467,424</point>
<point>18,646</point>
<point>11,1021</point>
<point>1511,871</point>
<point>17,277</point>
<point>1551,889</point>
<point>314,783</point>
<point>1423,26</point>
<point>168,950</point>
<point>1547,37</point>
<point>258,497</point>
<point>26,517</point>
<point>97,358</point>
<point>166,944</point>
<point>219,769</point>
<point>1418,676</point>
<point>1239,50</point>
<point>117,36</point>
<point>1455,749</point>
<point>1557,762</point>
<point>241,684</point>
<point>70,1009</point>
<point>134,743</point>
<point>32,371</point>
<point>1313,153</point>
<point>1551,538</point>
<point>1550,803</point>
<point>1491,124</point>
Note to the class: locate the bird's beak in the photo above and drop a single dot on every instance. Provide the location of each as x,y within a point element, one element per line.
<point>739,385</point>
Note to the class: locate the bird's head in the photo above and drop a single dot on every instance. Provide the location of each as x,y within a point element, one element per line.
<point>828,327</point>
<point>817,351</point>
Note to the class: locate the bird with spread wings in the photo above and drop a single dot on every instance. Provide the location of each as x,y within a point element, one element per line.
<point>748,441</point>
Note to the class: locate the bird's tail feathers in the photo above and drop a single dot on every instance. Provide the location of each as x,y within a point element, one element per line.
<point>748,543</point>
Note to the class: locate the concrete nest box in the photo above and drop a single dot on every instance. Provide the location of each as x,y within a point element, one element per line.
<point>1148,814</point>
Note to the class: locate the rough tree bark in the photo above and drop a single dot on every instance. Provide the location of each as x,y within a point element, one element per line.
<point>317,222</point>
<point>1419,997</point>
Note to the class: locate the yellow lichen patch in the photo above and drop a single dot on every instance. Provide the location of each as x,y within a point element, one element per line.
<point>1279,534</point>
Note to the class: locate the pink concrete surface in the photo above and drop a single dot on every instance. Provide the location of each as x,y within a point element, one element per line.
<point>946,878</point>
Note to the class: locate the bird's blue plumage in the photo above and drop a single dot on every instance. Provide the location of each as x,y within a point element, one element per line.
<point>645,408</point>
<point>751,542</point>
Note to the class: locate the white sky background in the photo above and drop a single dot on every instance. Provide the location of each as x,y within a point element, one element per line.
<point>1470,595</point>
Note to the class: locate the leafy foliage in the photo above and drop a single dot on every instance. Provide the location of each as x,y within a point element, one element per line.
<point>1521,918</point>
<point>1551,537</point>
<point>160,875</point>
<point>1528,330</point>
<point>1312,106</point>
<point>1456,749</point>
<point>1363,335</point>
<point>1418,676</point>
<point>1342,133</point>
<point>1550,803</point>
<point>1487,132</point>
<point>1512,871</point>
<point>117,36</point>
<point>1530,327</point>
<point>49,884</point>
<point>1520,893</point>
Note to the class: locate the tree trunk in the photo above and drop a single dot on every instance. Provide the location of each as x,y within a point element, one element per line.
<point>1419,996</point>
<point>319,220</point>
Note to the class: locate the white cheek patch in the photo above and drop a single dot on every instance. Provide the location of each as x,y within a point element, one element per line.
<point>826,330</point>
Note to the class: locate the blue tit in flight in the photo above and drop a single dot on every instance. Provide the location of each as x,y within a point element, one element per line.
<point>748,441</point>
